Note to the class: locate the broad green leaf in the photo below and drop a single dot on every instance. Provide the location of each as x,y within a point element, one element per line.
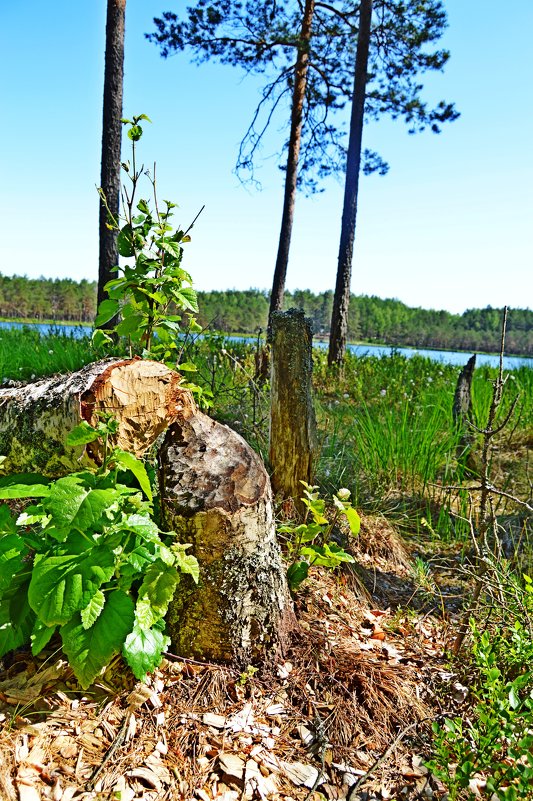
<point>143,525</point>
<point>142,205</point>
<point>106,311</point>
<point>63,585</point>
<point>129,324</point>
<point>14,491</point>
<point>91,612</point>
<point>158,587</point>
<point>82,434</point>
<point>188,298</point>
<point>125,246</point>
<point>16,617</point>
<point>143,650</point>
<point>297,573</point>
<point>90,515</point>
<point>187,563</point>
<point>170,247</point>
<point>65,497</point>
<point>134,133</point>
<point>130,462</point>
<point>90,650</point>
<point>41,636</point>
<point>100,339</point>
<point>187,367</point>
<point>354,521</point>
<point>12,553</point>
<point>7,522</point>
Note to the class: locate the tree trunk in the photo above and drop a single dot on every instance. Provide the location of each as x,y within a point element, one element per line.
<point>291,174</point>
<point>216,495</point>
<point>292,451</point>
<point>35,419</point>
<point>341,301</point>
<point>111,141</point>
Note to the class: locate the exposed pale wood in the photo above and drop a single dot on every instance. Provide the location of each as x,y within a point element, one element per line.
<point>292,449</point>
<point>462,416</point>
<point>216,494</point>
<point>35,419</point>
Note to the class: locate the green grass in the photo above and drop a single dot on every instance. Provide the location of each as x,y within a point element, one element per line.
<point>26,355</point>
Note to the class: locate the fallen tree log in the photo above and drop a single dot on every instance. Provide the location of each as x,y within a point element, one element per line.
<point>215,493</point>
<point>35,419</point>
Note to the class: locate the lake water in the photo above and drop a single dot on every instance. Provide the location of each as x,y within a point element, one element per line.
<point>444,356</point>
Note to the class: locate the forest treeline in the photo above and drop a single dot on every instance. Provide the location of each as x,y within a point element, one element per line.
<point>371,319</point>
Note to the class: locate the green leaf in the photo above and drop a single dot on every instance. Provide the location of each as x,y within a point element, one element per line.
<point>145,526</point>
<point>82,434</point>
<point>354,521</point>
<point>7,522</point>
<point>106,310</point>
<point>16,617</point>
<point>13,491</point>
<point>125,245</point>
<point>91,612</point>
<point>187,367</point>
<point>91,512</point>
<point>13,550</point>
<point>170,247</point>
<point>188,298</point>
<point>297,573</point>
<point>41,636</point>
<point>186,563</point>
<point>130,462</point>
<point>135,133</point>
<point>100,339</point>
<point>64,499</point>
<point>129,324</point>
<point>63,585</point>
<point>143,650</point>
<point>158,587</point>
<point>90,650</point>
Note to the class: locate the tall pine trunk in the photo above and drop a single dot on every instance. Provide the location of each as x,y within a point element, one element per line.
<point>111,139</point>
<point>341,300</point>
<point>291,175</point>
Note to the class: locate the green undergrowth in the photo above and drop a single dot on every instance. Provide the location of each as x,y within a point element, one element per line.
<point>26,354</point>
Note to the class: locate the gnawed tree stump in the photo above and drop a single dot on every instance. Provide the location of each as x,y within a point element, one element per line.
<point>292,450</point>
<point>35,419</point>
<point>216,495</point>
<point>463,417</point>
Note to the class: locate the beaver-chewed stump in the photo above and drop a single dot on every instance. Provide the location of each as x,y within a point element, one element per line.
<point>144,397</point>
<point>216,495</point>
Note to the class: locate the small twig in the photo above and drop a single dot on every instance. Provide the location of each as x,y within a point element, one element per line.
<point>115,745</point>
<point>379,761</point>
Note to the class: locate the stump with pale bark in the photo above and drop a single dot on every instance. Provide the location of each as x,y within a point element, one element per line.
<point>216,495</point>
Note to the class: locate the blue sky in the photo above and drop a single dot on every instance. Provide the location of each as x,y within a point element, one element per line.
<point>450,226</point>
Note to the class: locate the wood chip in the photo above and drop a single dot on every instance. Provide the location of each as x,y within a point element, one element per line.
<point>232,765</point>
<point>217,721</point>
<point>299,774</point>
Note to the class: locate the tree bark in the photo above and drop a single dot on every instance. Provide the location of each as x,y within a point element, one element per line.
<point>216,495</point>
<point>341,301</point>
<point>292,450</point>
<point>35,419</point>
<point>111,141</point>
<point>291,174</point>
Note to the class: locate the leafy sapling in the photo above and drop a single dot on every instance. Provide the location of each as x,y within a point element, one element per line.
<point>312,542</point>
<point>152,294</point>
<point>86,559</point>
